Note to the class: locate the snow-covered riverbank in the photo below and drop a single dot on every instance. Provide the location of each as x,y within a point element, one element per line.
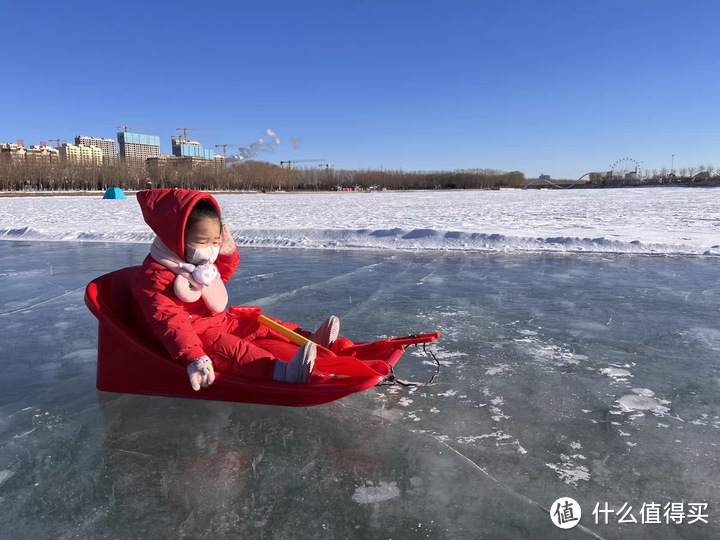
<point>672,221</point>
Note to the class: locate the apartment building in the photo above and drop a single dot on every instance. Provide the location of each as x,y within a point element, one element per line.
<point>90,155</point>
<point>184,148</point>
<point>108,147</point>
<point>135,148</point>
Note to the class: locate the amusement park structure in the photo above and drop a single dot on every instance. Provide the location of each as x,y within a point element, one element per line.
<point>545,182</point>
<point>623,171</point>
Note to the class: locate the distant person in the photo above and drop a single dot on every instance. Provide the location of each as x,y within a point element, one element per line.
<point>181,297</point>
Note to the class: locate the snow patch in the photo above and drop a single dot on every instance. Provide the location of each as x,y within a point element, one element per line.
<point>633,402</point>
<point>374,494</point>
<point>615,373</point>
<point>405,402</point>
<point>497,369</point>
<point>570,474</point>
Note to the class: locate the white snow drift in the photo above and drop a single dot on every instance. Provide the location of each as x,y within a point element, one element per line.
<point>671,221</point>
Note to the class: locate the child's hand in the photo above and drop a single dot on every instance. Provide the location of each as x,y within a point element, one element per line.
<point>227,245</point>
<point>201,373</point>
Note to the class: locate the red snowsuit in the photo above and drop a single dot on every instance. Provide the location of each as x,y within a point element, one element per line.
<point>190,330</point>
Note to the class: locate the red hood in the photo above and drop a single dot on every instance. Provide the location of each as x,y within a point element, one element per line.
<point>167,211</point>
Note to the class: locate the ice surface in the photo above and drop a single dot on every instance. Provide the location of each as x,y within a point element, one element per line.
<point>670,220</point>
<point>521,415</point>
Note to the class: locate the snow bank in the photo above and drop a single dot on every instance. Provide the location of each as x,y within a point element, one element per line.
<point>669,221</point>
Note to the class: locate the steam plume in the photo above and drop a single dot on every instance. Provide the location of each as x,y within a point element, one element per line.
<point>252,151</point>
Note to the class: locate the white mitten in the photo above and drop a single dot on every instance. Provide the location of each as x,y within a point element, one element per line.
<point>201,373</point>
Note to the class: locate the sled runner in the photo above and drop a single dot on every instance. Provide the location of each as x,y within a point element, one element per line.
<point>128,363</point>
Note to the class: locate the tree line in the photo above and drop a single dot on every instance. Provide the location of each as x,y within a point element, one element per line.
<point>249,176</point>
<point>701,174</point>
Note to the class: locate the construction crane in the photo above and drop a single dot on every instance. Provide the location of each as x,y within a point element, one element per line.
<point>291,161</point>
<point>180,137</point>
<point>328,165</point>
<point>126,127</point>
<point>224,147</point>
<point>58,141</point>
<point>185,129</point>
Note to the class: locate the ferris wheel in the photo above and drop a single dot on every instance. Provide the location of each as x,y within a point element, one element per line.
<point>622,167</point>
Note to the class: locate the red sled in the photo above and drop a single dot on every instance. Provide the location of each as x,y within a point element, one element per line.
<point>130,364</point>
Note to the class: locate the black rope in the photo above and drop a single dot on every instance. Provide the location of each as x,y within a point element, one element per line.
<point>392,379</point>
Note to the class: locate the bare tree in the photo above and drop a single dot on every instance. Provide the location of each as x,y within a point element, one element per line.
<point>254,175</point>
<point>683,172</point>
<point>691,171</point>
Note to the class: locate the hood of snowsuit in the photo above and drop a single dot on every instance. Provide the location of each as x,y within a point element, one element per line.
<point>166,211</point>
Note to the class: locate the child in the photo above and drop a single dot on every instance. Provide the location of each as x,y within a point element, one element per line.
<point>180,296</point>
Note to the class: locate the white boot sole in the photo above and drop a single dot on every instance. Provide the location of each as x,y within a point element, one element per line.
<point>299,369</point>
<point>330,329</point>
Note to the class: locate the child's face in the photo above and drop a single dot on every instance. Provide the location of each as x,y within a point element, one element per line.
<point>202,234</point>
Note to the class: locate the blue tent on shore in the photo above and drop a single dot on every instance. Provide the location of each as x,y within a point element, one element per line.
<point>114,193</point>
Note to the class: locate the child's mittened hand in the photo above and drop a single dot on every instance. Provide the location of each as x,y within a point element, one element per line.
<point>227,247</point>
<point>201,373</point>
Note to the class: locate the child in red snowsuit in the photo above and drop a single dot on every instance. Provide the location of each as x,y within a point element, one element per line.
<point>180,296</point>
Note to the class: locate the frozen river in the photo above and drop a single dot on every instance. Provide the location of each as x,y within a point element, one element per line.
<point>594,377</point>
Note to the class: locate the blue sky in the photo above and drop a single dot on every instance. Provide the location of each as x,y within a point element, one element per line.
<point>561,88</point>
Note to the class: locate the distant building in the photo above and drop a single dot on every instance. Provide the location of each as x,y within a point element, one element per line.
<point>91,155</point>
<point>41,153</point>
<point>220,161</point>
<point>135,148</point>
<point>12,153</point>
<point>18,154</point>
<point>156,162</point>
<point>70,152</point>
<point>544,177</point>
<point>108,147</point>
<point>175,163</point>
<point>183,148</point>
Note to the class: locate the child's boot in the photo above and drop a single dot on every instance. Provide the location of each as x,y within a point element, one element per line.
<point>327,332</point>
<point>300,367</point>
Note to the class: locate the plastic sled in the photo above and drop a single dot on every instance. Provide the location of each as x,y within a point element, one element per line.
<point>128,363</point>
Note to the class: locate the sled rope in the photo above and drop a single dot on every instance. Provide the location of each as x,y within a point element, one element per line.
<point>392,379</point>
